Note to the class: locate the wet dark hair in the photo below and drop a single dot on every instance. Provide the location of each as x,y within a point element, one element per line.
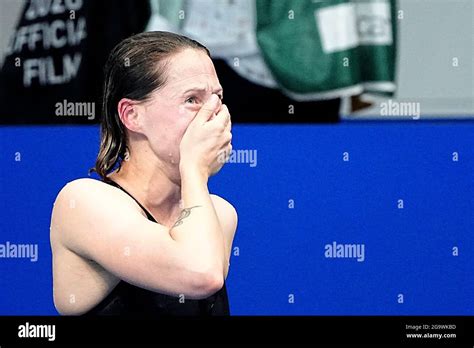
<point>136,67</point>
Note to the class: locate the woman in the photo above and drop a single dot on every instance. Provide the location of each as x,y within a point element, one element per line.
<point>149,239</point>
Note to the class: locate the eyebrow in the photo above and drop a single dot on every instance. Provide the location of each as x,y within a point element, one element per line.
<point>202,89</point>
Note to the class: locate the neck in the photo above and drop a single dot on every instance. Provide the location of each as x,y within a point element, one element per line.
<point>151,184</point>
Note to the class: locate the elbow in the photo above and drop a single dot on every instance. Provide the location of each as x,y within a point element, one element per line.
<point>62,308</point>
<point>207,284</point>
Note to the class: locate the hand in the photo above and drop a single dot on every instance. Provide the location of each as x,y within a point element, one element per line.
<point>206,144</point>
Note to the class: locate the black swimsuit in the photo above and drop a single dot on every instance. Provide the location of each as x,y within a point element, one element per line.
<point>127,300</point>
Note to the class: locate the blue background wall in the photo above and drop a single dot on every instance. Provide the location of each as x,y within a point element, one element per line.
<point>408,251</point>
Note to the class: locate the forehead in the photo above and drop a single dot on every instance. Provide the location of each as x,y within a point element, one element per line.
<point>191,67</point>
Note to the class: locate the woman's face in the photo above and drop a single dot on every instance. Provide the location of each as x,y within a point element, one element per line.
<point>191,80</point>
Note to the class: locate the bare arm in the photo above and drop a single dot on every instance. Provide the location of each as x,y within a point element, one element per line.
<point>198,230</point>
<point>228,219</point>
<point>101,223</point>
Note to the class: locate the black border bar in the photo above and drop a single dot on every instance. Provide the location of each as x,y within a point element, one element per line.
<point>244,330</point>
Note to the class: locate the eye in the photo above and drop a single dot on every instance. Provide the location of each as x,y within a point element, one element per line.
<point>221,97</point>
<point>191,100</point>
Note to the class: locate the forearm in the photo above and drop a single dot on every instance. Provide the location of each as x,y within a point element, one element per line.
<point>227,257</point>
<point>198,229</point>
<point>229,233</point>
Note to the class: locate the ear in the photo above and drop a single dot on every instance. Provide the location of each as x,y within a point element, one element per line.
<point>128,112</point>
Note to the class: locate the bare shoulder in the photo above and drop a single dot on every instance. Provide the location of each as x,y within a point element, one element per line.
<point>225,210</point>
<point>79,188</point>
<point>83,187</point>
<point>83,204</point>
<point>87,192</point>
<point>84,196</point>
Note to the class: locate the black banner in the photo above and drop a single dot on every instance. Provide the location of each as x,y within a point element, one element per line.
<point>403,330</point>
<point>53,69</point>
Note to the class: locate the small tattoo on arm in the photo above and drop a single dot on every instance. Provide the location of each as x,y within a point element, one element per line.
<point>183,215</point>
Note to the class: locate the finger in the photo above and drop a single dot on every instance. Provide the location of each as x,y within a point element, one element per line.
<point>226,139</point>
<point>225,153</point>
<point>228,127</point>
<point>228,130</point>
<point>226,110</point>
<point>228,152</point>
<point>214,115</point>
<point>208,109</point>
<point>223,117</point>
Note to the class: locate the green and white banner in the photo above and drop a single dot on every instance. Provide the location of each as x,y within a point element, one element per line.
<point>310,49</point>
<point>329,48</point>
